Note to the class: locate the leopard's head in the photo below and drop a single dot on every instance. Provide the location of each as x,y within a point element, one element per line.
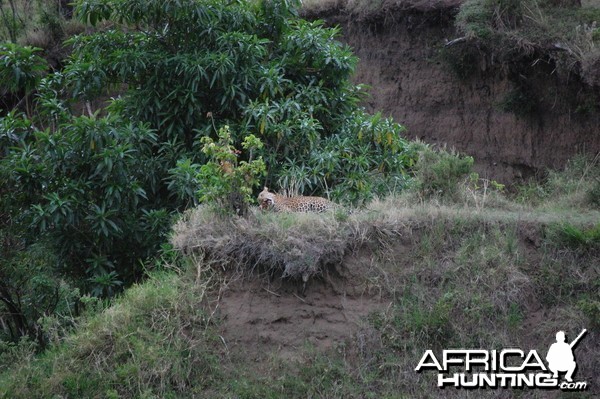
<point>266,199</point>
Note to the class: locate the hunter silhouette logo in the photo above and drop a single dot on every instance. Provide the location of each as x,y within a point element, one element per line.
<point>506,368</point>
<point>560,356</point>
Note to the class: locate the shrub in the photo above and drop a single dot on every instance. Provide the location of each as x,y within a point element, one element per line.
<point>532,192</point>
<point>254,67</point>
<point>88,187</point>
<point>222,181</point>
<point>440,173</point>
<point>21,70</point>
<point>198,81</point>
<point>31,289</point>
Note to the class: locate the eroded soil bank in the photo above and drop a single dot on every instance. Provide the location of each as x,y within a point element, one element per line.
<point>390,281</point>
<point>402,58</point>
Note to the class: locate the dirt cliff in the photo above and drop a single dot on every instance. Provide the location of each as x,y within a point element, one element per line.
<point>402,57</point>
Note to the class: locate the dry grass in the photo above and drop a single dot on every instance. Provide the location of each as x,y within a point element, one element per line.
<point>294,245</point>
<point>300,246</point>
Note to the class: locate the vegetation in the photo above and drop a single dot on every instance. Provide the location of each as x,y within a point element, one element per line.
<point>212,99</point>
<point>441,173</point>
<point>523,40</point>
<point>222,181</point>
<point>260,244</point>
<point>146,353</point>
<point>208,101</point>
<point>576,186</point>
<point>286,81</point>
<point>39,23</point>
<point>448,276</point>
<point>561,32</point>
<point>531,22</point>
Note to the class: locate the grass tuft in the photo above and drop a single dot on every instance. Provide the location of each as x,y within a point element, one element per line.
<point>576,237</point>
<point>151,343</point>
<point>296,245</point>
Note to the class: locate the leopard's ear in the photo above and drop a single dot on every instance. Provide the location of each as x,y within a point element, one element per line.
<point>265,188</point>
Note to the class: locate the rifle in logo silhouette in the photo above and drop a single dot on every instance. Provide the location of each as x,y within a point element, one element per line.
<point>574,342</point>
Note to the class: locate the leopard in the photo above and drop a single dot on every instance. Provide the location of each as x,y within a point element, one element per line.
<point>280,203</point>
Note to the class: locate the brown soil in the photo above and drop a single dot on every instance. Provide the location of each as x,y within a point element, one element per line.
<point>399,51</point>
<point>262,318</point>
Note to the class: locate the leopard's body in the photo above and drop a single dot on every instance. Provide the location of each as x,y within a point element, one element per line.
<point>280,203</point>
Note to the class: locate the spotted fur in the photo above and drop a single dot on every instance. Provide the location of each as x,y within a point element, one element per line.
<point>280,203</point>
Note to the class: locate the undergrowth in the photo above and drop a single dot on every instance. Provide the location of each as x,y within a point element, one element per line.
<point>152,342</point>
<point>43,24</point>
<point>449,274</point>
<point>575,187</point>
<point>564,33</point>
<point>456,262</point>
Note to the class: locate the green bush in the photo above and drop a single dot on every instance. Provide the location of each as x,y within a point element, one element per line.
<point>197,80</point>
<point>222,181</point>
<point>532,192</point>
<point>21,70</point>
<point>91,188</point>
<point>440,173</point>
<point>31,289</point>
<point>193,67</point>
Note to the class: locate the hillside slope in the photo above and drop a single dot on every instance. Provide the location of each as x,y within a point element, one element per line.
<point>401,46</point>
<point>383,285</point>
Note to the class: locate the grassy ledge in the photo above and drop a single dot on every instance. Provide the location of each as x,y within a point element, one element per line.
<point>447,276</point>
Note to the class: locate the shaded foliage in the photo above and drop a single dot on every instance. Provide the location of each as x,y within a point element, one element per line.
<point>194,65</point>
<point>195,80</point>
<point>21,69</point>
<point>88,195</point>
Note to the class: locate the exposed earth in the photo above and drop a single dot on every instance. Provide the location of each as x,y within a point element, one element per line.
<point>401,58</point>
